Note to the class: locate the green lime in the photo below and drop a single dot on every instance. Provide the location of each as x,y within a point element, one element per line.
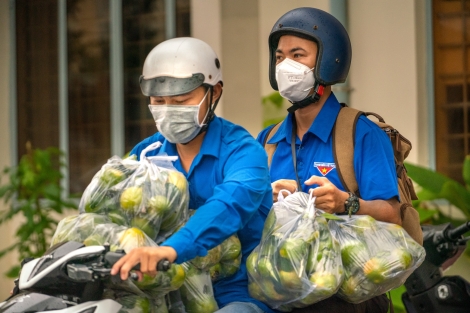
<point>353,253</point>
<point>375,270</point>
<point>112,176</point>
<point>178,179</point>
<point>145,225</point>
<point>131,198</point>
<point>158,205</point>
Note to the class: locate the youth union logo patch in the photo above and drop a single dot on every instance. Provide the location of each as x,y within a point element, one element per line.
<point>324,168</point>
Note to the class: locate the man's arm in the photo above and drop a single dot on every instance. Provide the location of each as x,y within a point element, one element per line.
<point>330,199</point>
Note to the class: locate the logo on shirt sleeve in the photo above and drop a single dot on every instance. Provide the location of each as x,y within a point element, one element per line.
<point>324,168</point>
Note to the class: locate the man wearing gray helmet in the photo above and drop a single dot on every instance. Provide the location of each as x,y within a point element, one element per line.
<point>310,51</point>
<point>225,167</point>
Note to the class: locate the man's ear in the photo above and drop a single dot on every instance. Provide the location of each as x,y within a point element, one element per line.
<point>217,91</point>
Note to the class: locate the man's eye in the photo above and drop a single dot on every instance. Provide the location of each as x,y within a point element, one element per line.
<point>180,101</point>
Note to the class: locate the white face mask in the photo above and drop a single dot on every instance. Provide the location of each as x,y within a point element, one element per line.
<point>294,80</point>
<point>178,123</point>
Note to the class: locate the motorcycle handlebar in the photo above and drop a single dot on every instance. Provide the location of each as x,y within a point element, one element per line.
<point>112,257</point>
<point>454,234</point>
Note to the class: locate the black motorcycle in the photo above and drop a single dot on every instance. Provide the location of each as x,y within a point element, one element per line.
<point>68,278</point>
<point>427,290</point>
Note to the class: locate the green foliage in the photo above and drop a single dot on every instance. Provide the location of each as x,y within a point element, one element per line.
<point>437,186</point>
<point>273,108</point>
<point>395,295</point>
<point>275,98</point>
<point>32,190</point>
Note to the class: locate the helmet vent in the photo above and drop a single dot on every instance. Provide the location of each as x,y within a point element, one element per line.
<point>217,63</point>
<point>210,76</point>
<point>280,25</point>
<point>315,27</point>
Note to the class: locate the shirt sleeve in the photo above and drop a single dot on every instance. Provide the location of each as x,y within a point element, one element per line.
<point>244,188</point>
<point>374,162</point>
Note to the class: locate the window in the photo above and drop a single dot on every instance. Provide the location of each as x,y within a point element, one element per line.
<point>88,74</point>
<point>143,26</point>
<point>451,37</point>
<point>88,89</point>
<point>37,73</point>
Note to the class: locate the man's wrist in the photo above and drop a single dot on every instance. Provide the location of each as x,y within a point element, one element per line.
<point>351,205</point>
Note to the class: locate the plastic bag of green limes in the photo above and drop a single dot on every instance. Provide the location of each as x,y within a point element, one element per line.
<point>297,262</point>
<point>121,237</point>
<point>197,293</point>
<point>132,303</point>
<point>221,261</point>
<point>230,259</point>
<point>77,227</point>
<point>149,194</point>
<point>376,256</point>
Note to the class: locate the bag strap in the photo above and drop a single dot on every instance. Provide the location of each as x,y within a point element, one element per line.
<point>271,147</point>
<point>294,154</point>
<point>343,147</point>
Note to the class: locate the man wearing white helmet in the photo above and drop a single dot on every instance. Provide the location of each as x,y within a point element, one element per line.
<point>225,167</point>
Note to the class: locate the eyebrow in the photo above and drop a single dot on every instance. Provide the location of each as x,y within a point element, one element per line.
<point>291,50</point>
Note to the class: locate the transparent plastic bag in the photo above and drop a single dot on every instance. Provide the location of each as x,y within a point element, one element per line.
<point>118,237</point>
<point>376,256</point>
<point>149,194</point>
<point>221,261</point>
<point>163,282</point>
<point>212,258</point>
<point>297,262</point>
<point>77,227</point>
<point>197,294</point>
<point>121,237</point>
<point>132,303</point>
<point>174,302</point>
<point>230,259</point>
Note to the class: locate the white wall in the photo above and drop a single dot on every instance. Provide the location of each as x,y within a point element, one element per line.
<point>240,37</point>
<point>206,24</point>
<point>7,229</point>
<point>383,70</point>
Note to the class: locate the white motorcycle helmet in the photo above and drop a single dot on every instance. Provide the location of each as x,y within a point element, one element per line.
<point>178,66</point>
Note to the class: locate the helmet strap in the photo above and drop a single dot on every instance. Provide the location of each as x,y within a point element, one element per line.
<point>210,114</point>
<point>318,90</point>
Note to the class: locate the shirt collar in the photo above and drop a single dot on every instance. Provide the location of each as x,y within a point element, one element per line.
<point>321,127</point>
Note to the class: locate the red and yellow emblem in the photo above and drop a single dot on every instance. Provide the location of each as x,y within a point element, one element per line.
<point>324,168</point>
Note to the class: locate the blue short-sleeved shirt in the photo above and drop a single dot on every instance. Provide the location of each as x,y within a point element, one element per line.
<point>374,163</point>
<point>230,190</point>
